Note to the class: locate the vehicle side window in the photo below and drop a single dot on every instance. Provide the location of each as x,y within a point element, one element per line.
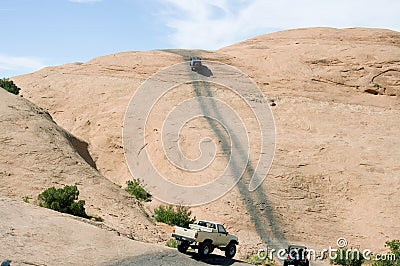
<point>221,228</point>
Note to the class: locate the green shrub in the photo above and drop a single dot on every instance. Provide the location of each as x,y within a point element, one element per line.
<point>135,188</point>
<point>25,199</point>
<point>180,216</point>
<point>9,86</point>
<point>63,200</point>
<point>171,243</point>
<point>348,257</point>
<point>256,260</point>
<point>394,246</point>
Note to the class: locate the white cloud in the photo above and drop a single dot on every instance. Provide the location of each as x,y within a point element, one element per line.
<point>212,24</point>
<point>20,64</point>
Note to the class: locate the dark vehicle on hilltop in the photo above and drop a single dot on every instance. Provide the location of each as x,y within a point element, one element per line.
<point>195,63</point>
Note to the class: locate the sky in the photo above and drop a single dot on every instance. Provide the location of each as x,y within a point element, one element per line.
<point>39,33</point>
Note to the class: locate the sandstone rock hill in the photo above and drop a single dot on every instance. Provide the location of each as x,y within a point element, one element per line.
<point>337,115</point>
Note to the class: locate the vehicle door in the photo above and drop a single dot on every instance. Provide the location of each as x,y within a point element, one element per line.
<point>222,237</point>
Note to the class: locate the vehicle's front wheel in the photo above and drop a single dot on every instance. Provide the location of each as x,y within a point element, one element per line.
<point>183,246</point>
<point>205,248</point>
<point>230,250</point>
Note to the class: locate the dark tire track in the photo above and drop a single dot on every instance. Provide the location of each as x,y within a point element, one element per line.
<point>264,221</point>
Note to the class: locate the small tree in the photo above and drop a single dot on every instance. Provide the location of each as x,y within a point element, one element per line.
<point>171,243</point>
<point>256,260</point>
<point>9,86</point>
<point>180,216</point>
<point>348,257</point>
<point>394,246</point>
<point>63,200</point>
<point>135,188</point>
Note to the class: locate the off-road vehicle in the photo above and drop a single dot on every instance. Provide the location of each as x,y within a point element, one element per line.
<point>296,255</point>
<point>195,63</point>
<point>205,236</point>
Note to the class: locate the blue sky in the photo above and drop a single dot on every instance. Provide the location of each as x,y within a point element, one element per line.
<point>38,33</point>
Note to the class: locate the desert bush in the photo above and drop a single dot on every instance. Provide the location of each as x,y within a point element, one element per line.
<point>63,200</point>
<point>394,246</point>
<point>347,257</point>
<point>171,243</point>
<point>9,86</point>
<point>25,199</point>
<point>135,188</point>
<point>180,216</point>
<point>256,260</point>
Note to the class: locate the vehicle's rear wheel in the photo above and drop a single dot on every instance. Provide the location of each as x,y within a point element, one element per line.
<point>285,263</point>
<point>183,246</point>
<point>230,250</point>
<point>205,248</point>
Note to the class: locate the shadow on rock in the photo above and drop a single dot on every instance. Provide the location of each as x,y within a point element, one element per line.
<point>173,257</point>
<point>214,259</point>
<point>204,71</point>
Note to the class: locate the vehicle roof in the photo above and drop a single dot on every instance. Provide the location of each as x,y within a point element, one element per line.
<point>209,222</point>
